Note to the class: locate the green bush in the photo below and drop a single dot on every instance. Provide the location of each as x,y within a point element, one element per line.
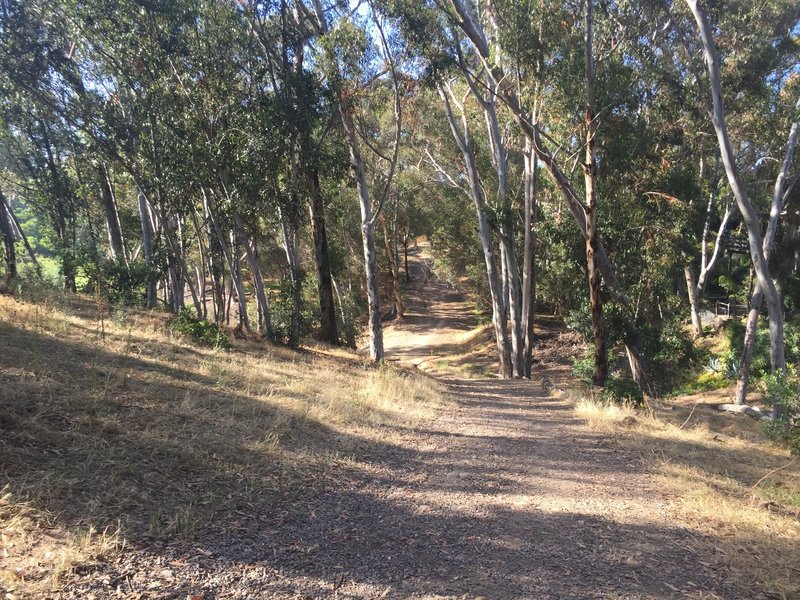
<point>281,312</point>
<point>783,389</point>
<point>670,353</point>
<point>583,367</point>
<point>621,390</point>
<point>201,331</point>
<point>125,285</point>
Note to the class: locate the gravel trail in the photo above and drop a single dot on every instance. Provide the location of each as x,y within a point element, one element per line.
<point>505,495</point>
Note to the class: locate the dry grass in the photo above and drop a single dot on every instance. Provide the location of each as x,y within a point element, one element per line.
<point>606,416</point>
<point>113,427</point>
<point>734,488</point>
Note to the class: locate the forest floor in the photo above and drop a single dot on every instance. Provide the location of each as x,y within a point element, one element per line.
<point>502,491</point>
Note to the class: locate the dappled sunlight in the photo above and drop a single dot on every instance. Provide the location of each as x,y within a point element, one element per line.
<point>114,426</point>
<point>316,472</point>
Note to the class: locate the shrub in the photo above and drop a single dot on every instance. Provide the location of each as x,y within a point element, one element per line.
<point>282,309</point>
<point>670,352</point>
<point>621,390</point>
<point>125,284</point>
<point>203,332</point>
<point>583,368</point>
<point>783,389</point>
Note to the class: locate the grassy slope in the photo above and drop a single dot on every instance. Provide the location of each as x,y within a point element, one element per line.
<point>739,491</point>
<point>113,430</point>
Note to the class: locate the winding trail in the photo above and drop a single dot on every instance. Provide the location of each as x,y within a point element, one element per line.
<point>505,495</point>
<point>508,495</point>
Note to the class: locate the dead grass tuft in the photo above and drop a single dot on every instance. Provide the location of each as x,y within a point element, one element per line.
<point>113,427</point>
<point>730,485</point>
<point>604,415</point>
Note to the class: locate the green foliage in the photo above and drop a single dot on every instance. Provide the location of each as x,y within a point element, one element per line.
<point>284,314</point>
<point>670,352</point>
<point>583,367</point>
<point>561,276</point>
<point>704,382</point>
<point>621,390</point>
<point>203,332</point>
<point>123,284</point>
<point>782,432</point>
<point>734,331</point>
<point>782,389</point>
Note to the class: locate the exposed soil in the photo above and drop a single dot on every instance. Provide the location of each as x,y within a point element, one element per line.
<point>505,495</point>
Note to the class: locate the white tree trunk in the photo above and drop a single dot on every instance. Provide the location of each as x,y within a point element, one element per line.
<point>258,281</point>
<point>464,143</point>
<point>776,208</point>
<point>749,215</point>
<point>529,260</point>
<point>147,246</point>
<point>231,260</point>
<point>590,208</point>
<point>508,95</point>
<point>694,300</point>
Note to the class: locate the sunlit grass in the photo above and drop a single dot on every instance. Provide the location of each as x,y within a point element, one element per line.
<point>124,428</point>
<point>738,491</point>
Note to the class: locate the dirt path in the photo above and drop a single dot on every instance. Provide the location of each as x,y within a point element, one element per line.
<point>509,496</point>
<point>505,495</point>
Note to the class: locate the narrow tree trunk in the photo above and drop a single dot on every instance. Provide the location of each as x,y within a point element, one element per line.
<point>113,227</point>
<point>694,300</point>
<point>291,249</point>
<point>176,263</point>
<point>21,234</point>
<point>514,300</point>
<point>236,280</point>
<point>147,247</point>
<point>215,269</point>
<point>506,92</point>
<point>395,271</point>
<point>201,286</point>
<point>405,259</point>
<point>258,281</point>
<point>464,142</point>
<point>338,292</point>
<point>229,302</point>
<point>200,270</point>
<point>242,296</point>
<point>590,178</point>
<point>327,309</point>
<point>346,112</point>
<point>529,260</point>
<point>504,278</point>
<point>9,239</point>
<point>367,230</point>
<point>749,215</point>
<point>776,208</point>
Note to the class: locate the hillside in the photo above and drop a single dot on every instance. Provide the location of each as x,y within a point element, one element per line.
<point>137,464</point>
<point>121,437</point>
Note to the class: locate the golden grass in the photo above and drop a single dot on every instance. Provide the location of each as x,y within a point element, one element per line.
<point>114,426</point>
<point>741,493</point>
<point>606,416</point>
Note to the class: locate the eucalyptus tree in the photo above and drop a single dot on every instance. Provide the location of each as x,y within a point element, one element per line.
<point>345,49</point>
<point>508,46</point>
<point>760,246</point>
<point>779,195</point>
